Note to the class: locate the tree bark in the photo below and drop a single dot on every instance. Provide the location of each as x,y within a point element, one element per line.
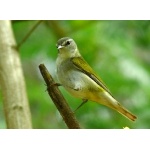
<point>16,107</point>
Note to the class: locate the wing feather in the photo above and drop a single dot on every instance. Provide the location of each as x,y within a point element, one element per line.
<point>77,61</point>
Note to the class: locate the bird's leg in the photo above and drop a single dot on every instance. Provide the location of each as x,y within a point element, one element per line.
<point>55,84</point>
<point>84,101</point>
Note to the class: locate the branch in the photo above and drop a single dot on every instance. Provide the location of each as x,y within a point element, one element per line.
<point>59,100</point>
<point>28,34</point>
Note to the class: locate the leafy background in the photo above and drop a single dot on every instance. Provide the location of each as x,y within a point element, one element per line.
<point>119,51</point>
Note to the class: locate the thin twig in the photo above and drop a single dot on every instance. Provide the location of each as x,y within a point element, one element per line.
<point>59,100</point>
<point>29,33</point>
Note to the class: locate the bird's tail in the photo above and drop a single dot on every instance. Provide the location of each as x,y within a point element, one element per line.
<point>109,101</point>
<point>124,112</point>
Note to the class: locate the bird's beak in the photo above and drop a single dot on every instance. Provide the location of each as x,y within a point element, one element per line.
<point>60,46</point>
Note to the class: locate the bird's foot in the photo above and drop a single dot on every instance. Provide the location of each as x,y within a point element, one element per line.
<point>54,84</point>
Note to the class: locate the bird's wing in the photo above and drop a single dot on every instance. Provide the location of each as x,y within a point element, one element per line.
<point>81,64</point>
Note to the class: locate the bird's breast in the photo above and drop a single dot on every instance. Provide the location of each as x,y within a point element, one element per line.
<point>75,81</point>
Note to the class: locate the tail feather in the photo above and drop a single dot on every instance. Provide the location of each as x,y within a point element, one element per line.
<point>107,100</point>
<point>125,112</point>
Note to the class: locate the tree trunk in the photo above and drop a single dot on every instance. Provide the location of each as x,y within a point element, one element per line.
<point>16,107</point>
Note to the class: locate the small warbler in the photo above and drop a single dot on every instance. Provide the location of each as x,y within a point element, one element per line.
<point>79,79</point>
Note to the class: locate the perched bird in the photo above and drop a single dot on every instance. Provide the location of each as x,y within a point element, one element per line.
<point>79,79</point>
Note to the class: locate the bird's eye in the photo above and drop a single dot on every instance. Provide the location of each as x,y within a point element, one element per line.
<point>67,43</point>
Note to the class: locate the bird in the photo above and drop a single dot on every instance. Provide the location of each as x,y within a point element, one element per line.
<point>80,80</point>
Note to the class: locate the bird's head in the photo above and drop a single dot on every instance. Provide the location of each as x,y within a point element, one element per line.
<point>67,47</point>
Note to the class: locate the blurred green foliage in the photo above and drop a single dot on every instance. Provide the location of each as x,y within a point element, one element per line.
<point>119,51</point>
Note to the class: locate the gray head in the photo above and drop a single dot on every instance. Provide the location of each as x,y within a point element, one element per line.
<point>67,47</point>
